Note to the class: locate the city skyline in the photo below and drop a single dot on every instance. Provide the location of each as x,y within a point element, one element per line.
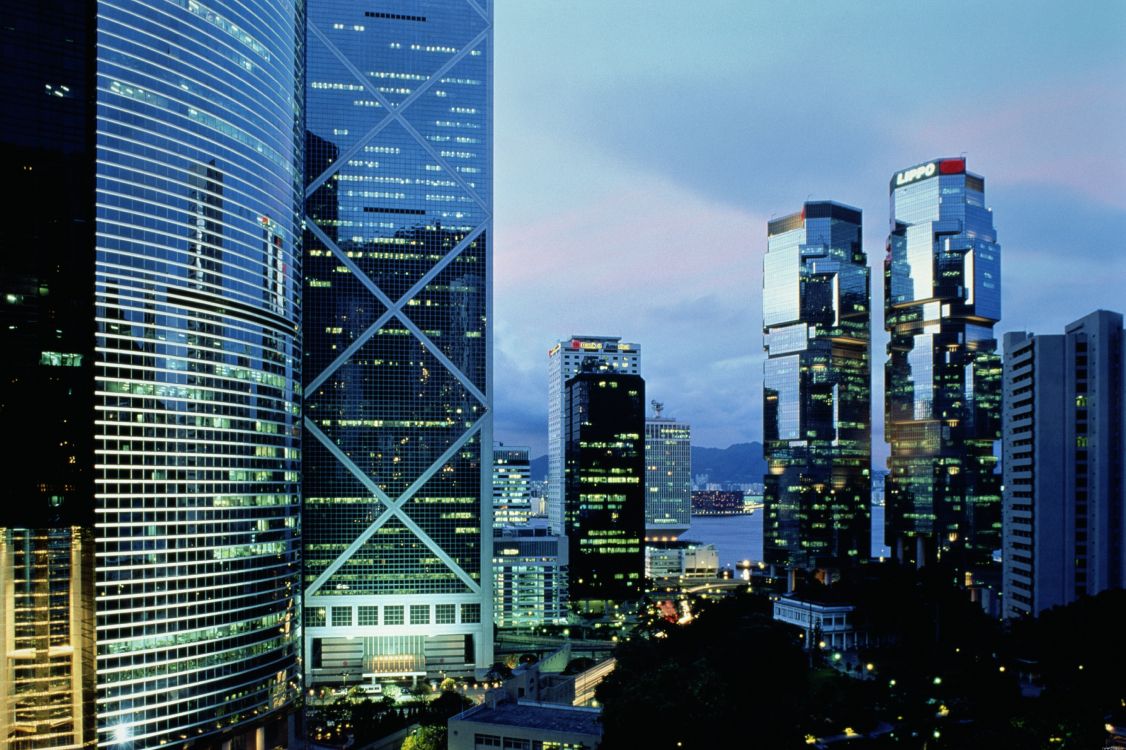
<point>269,463</point>
<point>599,182</point>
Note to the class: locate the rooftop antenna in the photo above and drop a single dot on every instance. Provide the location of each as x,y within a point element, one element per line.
<point>658,407</point>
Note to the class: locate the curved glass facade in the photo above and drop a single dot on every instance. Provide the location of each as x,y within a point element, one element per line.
<point>398,466</point>
<point>942,299</point>
<point>817,393</point>
<point>197,366</point>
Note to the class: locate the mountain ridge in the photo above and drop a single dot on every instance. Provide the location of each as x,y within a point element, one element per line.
<point>740,463</point>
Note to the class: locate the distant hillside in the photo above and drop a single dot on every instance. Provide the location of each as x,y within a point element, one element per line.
<point>742,462</point>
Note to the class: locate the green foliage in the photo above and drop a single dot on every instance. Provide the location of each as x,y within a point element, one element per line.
<point>430,737</point>
<point>730,665</point>
<point>1076,654</point>
<point>942,673</point>
<point>448,704</point>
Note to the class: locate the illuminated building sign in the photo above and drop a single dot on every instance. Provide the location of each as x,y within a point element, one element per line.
<point>907,176</point>
<point>930,169</point>
<point>590,346</point>
<point>952,166</point>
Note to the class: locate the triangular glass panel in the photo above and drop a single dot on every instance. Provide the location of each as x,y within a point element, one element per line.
<point>394,561</point>
<point>339,109</point>
<point>338,307</point>
<point>450,310</point>
<point>338,507</point>
<point>451,116</point>
<point>398,44</point>
<point>393,408</point>
<point>448,507</point>
<point>395,210</point>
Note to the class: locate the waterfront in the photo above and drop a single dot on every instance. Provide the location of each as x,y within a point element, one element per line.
<point>736,538</point>
<point>739,538</point>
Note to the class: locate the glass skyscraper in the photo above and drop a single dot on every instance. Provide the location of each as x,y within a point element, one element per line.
<point>668,478</point>
<point>512,479</point>
<point>398,426</point>
<point>604,487</point>
<point>47,677</point>
<point>564,360</point>
<point>817,393</point>
<point>942,282</point>
<point>149,558</point>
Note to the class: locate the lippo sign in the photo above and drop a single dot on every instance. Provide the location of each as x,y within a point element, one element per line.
<point>930,169</point>
<point>907,176</point>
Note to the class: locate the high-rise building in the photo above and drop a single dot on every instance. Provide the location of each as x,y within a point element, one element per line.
<point>668,478</point>
<point>604,490</point>
<point>1064,502</point>
<point>564,361</point>
<point>512,479</point>
<point>529,577</point>
<point>816,389</point>
<point>397,519</point>
<point>942,282</point>
<point>149,544</point>
<point>47,682</point>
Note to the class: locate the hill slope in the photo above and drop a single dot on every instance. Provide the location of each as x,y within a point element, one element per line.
<point>742,462</point>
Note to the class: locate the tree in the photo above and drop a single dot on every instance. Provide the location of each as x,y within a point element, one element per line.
<point>448,704</point>
<point>426,738</point>
<point>731,664</point>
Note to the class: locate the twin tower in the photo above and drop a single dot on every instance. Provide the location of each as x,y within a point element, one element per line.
<point>942,378</point>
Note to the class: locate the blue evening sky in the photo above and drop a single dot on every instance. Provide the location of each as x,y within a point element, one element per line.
<point>641,146</point>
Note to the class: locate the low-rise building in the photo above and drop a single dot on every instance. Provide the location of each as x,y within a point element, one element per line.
<point>525,725</point>
<point>681,560</point>
<point>822,622</point>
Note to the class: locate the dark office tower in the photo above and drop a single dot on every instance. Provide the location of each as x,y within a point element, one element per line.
<point>817,393</point>
<point>942,282</point>
<point>564,360</point>
<point>1064,453</point>
<point>149,549</point>
<point>47,400</point>
<point>604,487</point>
<point>398,430</point>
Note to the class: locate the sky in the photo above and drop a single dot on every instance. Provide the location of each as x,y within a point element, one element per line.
<point>641,146</point>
